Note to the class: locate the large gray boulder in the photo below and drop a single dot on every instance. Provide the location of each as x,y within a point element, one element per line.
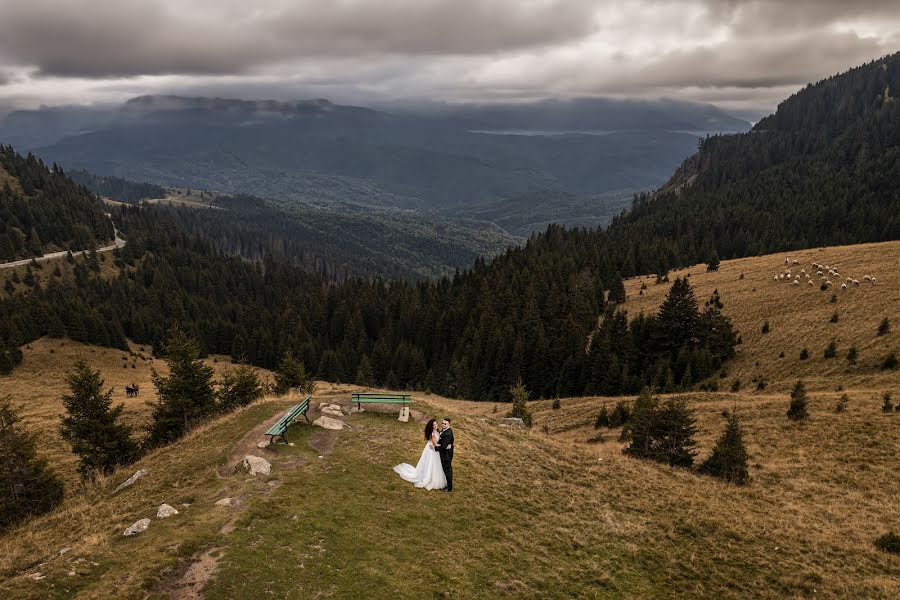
<point>137,527</point>
<point>130,481</point>
<point>256,465</point>
<point>328,423</point>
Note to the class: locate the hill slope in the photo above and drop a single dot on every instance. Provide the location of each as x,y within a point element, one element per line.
<point>533,515</point>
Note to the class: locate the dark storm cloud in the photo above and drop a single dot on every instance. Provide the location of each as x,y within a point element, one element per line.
<point>745,54</point>
<point>111,38</point>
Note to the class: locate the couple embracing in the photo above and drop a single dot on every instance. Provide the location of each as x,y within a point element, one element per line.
<point>434,471</point>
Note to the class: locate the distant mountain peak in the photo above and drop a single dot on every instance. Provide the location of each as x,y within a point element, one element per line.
<point>159,103</point>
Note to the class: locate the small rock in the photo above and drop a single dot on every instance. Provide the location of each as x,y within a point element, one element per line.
<point>224,502</point>
<point>356,409</point>
<point>264,444</point>
<point>516,421</point>
<point>130,481</point>
<point>137,527</point>
<point>331,409</point>
<point>256,465</point>
<point>291,444</point>
<point>64,551</point>
<point>328,423</point>
<point>36,576</point>
<point>185,504</point>
<point>71,573</point>
<point>165,511</point>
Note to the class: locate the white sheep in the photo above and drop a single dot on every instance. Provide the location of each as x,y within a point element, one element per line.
<point>873,281</point>
<point>818,273</point>
<point>787,261</point>
<point>856,282</point>
<point>796,262</point>
<point>796,282</point>
<point>849,280</point>
<point>843,286</point>
<point>827,283</point>
<point>866,278</point>
<point>810,282</point>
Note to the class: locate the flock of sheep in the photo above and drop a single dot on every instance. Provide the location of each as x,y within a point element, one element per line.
<point>823,272</point>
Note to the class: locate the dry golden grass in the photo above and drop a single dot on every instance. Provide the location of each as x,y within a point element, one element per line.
<point>799,315</point>
<point>544,513</point>
<point>38,384</point>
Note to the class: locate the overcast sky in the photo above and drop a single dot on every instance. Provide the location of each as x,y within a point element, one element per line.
<point>742,55</point>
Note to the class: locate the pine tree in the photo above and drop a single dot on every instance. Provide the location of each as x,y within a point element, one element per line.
<point>290,374</point>
<point>366,376</point>
<point>602,418</point>
<point>884,327</point>
<point>797,409</point>
<point>673,433</point>
<point>728,459</point>
<point>27,485</point>
<point>640,425</point>
<point>520,394</point>
<point>186,396</point>
<point>713,263</point>
<point>887,404</point>
<point>617,289</point>
<point>92,424</point>
<point>239,387</point>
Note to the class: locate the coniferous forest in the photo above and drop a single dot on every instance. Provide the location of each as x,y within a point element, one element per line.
<point>41,210</point>
<point>820,171</point>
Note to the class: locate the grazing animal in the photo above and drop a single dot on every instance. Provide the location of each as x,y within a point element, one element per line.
<point>132,390</point>
<point>866,278</point>
<point>873,281</point>
<point>827,282</point>
<point>849,280</point>
<point>856,282</point>
<point>796,282</point>
<point>787,262</point>
<point>818,273</point>
<point>810,282</point>
<point>796,262</point>
<point>843,286</point>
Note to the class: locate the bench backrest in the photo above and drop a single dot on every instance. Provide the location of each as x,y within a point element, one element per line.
<point>285,421</point>
<point>375,397</point>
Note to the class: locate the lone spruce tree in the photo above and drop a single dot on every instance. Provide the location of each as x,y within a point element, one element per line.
<point>520,402</point>
<point>239,388</point>
<point>186,396</point>
<point>91,424</point>
<point>291,373</point>
<point>797,409</point>
<point>728,460</point>
<point>27,485</point>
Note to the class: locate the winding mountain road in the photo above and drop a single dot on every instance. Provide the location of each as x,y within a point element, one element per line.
<point>118,243</point>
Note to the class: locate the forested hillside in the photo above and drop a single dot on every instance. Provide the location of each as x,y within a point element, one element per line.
<point>350,241</point>
<point>530,312</point>
<point>823,170</point>
<point>41,210</point>
<point>116,188</point>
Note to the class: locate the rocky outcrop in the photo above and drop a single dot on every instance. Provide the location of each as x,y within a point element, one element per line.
<point>331,409</point>
<point>328,423</point>
<point>130,481</point>
<point>256,465</point>
<point>137,527</point>
<point>165,511</point>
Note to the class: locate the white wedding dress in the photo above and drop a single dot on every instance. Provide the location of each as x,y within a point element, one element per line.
<point>428,472</point>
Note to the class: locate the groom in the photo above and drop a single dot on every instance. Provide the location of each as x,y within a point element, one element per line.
<point>445,448</point>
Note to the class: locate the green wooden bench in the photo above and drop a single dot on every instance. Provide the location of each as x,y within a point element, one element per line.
<point>279,429</point>
<point>360,398</point>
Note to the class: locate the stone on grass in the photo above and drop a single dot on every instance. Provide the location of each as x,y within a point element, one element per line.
<point>137,527</point>
<point>165,511</point>
<point>328,423</point>
<point>356,409</point>
<point>130,481</point>
<point>264,444</point>
<point>256,465</point>
<point>224,502</point>
<point>332,409</point>
<point>513,421</point>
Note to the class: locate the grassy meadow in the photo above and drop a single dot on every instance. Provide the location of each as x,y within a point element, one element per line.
<point>556,511</point>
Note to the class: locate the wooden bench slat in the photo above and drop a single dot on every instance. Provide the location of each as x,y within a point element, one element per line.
<point>279,429</point>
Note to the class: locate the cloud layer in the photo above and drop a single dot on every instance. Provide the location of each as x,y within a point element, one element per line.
<point>740,54</point>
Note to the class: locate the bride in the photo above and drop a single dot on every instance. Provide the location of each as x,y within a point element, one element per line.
<point>428,473</point>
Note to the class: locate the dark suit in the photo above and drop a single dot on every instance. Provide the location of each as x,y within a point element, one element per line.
<point>446,453</point>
